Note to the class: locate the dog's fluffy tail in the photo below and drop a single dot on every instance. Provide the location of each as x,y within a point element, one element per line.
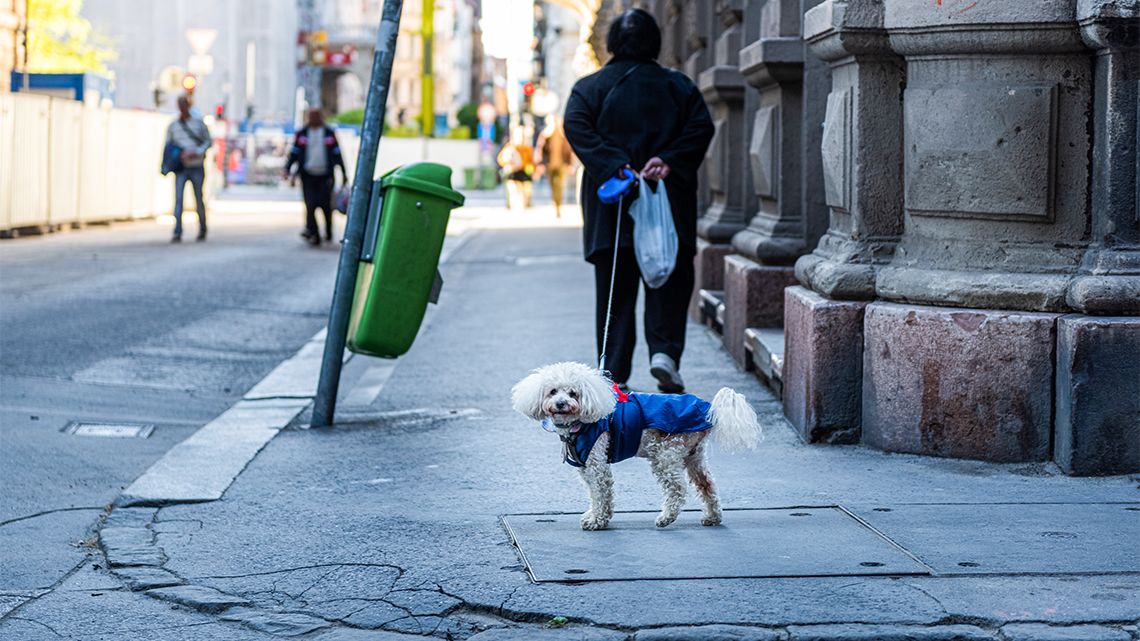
<point>734,423</point>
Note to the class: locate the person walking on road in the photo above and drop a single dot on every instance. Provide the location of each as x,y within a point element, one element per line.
<point>555,159</point>
<point>635,113</point>
<point>191,136</point>
<point>316,154</point>
<point>517,161</point>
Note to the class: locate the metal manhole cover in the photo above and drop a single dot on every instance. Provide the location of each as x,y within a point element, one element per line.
<point>108,430</point>
<point>760,543</point>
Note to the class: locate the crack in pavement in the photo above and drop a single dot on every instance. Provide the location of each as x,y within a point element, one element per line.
<point>46,512</point>
<point>40,623</point>
<point>397,568</point>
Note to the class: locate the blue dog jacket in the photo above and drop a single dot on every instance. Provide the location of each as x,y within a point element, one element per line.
<point>670,413</point>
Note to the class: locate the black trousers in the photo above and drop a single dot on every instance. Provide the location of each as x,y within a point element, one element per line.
<point>666,310</point>
<point>318,193</point>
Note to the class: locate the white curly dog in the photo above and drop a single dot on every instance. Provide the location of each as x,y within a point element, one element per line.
<point>600,425</point>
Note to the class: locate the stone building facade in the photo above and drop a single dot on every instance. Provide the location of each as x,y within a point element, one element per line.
<point>920,218</point>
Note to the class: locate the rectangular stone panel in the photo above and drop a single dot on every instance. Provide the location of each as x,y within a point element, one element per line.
<point>709,271</point>
<point>984,149</point>
<point>836,150</point>
<point>778,542</point>
<point>753,297</point>
<point>1098,395</point>
<point>762,151</point>
<point>963,383</point>
<point>823,366</point>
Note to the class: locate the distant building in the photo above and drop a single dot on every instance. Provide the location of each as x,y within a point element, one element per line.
<point>254,51</point>
<point>13,14</point>
<point>350,28</point>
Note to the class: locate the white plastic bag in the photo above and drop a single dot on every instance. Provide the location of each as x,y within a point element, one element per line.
<point>654,236</point>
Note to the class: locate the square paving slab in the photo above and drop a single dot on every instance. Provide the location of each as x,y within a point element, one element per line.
<point>1043,538</point>
<point>783,542</point>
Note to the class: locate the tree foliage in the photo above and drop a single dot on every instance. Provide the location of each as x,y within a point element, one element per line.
<point>61,40</point>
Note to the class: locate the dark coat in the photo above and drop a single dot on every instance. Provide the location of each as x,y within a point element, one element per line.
<point>670,413</point>
<point>332,152</point>
<point>653,111</point>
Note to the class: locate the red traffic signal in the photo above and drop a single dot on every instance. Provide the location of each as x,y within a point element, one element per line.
<point>220,111</point>
<point>528,89</point>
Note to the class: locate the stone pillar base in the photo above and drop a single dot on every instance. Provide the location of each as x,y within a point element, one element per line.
<point>823,366</point>
<point>753,297</point>
<point>709,271</point>
<point>964,383</point>
<point>1098,395</point>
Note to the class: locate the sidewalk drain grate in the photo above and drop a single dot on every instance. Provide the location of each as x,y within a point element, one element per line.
<point>108,430</point>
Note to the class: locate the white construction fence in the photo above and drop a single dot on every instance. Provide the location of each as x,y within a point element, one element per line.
<point>65,163</point>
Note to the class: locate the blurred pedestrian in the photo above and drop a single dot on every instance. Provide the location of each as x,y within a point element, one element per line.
<point>555,159</point>
<point>517,161</point>
<point>316,154</point>
<point>190,135</point>
<point>634,113</point>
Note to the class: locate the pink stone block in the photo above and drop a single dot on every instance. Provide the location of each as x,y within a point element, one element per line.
<point>708,267</point>
<point>823,366</point>
<point>753,297</point>
<point>965,383</point>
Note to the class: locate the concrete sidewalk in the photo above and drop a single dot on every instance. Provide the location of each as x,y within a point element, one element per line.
<point>391,525</point>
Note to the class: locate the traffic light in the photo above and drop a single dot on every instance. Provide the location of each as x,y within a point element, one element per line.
<point>528,89</point>
<point>189,82</point>
<point>220,111</point>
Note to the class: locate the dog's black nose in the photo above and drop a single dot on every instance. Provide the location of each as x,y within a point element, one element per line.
<point>561,405</point>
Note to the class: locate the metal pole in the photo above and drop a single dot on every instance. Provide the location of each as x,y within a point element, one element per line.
<point>324,405</point>
<point>427,95</point>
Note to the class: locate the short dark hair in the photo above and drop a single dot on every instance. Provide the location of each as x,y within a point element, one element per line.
<point>634,34</point>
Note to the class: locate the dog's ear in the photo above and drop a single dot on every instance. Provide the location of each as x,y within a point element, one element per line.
<point>526,395</point>
<point>597,401</point>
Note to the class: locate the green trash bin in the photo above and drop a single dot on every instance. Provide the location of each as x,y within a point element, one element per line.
<point>407,221</point>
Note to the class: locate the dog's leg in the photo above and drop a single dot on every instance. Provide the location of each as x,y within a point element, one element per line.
<point>599,480</point>
<point>698,470</point>
<point>666,459</point>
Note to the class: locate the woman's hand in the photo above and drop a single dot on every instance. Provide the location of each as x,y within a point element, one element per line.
<point>655,169</point>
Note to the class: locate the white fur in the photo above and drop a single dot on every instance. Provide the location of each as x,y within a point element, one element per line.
<point>735,426</point>
<point>569,393</point>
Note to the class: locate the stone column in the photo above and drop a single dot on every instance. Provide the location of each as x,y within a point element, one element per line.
<point>1109,280</point>
<point>968,353</point>
<point>784,166</point>
<point>723,89</point>
<point>668,16</point>
<point>862,173</point>
<point>1097,425</point>
<point>700,31</point>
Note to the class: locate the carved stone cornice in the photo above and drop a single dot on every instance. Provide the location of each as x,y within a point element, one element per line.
<point>773,60</point>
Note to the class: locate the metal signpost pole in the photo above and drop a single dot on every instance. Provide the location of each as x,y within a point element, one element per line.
<point>324,405</point>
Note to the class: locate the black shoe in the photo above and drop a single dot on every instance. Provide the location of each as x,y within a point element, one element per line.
<point>176,238</point>
<point>315,241</point>
<point>201,236</point>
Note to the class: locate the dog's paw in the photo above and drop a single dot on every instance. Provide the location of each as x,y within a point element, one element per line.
<point>664,520</point>
<point>711,519</point>
<point>591,522</point>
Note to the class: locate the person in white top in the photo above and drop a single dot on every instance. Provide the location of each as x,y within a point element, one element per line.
<point>191,136</point>
<point>316,155</point>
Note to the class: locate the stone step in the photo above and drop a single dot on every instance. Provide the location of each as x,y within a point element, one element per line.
<point>712,309</point>
<point>765,346</point>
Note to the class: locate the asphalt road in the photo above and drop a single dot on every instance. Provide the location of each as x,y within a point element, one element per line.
<point>115,324</point>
